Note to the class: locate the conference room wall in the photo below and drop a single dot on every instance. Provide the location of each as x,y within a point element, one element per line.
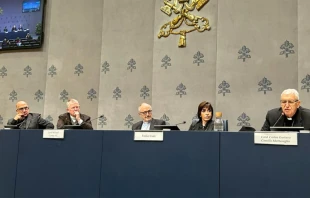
<point>116,44</point>
<point>303,52</point>
<point>74,50</point>
<point>126,61</point>
<point>261,26</point>
<point>171,99</point>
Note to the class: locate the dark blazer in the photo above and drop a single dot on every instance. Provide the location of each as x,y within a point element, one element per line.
<point>302,118</point>
<point>32,121</point>
<point>197,126</point>
<point>64,119</point>
<point>138,125</point>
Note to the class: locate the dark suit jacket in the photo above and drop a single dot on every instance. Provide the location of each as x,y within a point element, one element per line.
<point>64,119</point>
<point>302,118</point>
<point>32,121</point>
<point>198,126</point>
<point>138,125</point>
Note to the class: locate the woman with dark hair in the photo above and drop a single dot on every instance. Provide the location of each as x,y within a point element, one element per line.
<point>205,115</point>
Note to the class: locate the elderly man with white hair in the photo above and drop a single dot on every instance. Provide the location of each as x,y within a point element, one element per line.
<point>74,117</point>
<point>147,122</point>
<point>289,114</point>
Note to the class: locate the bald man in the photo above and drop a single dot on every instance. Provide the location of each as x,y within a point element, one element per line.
<point>148,122</point>
<point>25,120</point>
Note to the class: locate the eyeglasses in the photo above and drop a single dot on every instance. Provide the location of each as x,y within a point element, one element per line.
<point>290,102</point>
<point>23,108</point>
<point>75,107</point>
<point>145,112</point>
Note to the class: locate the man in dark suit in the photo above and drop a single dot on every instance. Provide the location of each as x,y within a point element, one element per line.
<point>74,117</point>
<point>289,114</point>
<point>14,28</point>
<point>25,120</point>
<point>148,122</point>
<point>20,28</point>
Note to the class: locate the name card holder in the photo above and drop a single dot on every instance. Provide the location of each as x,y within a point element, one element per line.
<point>149,136</point>
<point>287,139</point>
<point>53,134</point>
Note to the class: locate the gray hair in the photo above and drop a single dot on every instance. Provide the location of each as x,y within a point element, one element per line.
<point>71,101</point>
<point>291,91</point>
<point>144,104</point>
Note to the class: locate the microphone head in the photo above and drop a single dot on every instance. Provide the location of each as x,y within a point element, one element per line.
<point>184,122</point>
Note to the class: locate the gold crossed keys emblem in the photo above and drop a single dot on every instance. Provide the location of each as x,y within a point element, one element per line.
<point>182,8</point>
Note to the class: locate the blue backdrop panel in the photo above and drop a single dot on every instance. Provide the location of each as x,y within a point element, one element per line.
<point>69,168</point>
<point>8,160</point>
<point>269,171</point>
<point>183,165</point>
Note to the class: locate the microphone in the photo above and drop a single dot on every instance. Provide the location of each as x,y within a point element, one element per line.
<point>278,119</point>
<point>101,116</point>
<point>184,122</point>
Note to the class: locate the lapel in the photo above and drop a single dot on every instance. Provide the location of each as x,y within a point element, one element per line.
<point>29,118</point>
<point>82,116</point>
<point>69,121</point>
<point>279,122</point>
<point>139,125</point>
<point>152,124</point>
<point>298,119</point>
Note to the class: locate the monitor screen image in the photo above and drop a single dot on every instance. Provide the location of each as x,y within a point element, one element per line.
<point>22,24</point>
<point>31,6</point>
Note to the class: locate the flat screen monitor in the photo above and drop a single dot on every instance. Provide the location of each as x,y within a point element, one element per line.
<point>11,127</point>
<point>287,128</point>
<point>72,127</point>
<point>167,127</point>
<point>22,24</point>
<point>31,5</point>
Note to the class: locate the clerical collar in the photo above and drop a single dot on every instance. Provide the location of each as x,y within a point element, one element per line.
<point>294,116</point>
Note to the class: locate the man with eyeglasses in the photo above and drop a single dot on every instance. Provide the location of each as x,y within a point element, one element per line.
<point>289,114</point>
<point>25,120</point>
<point>74,117</point>
<point>148,122</point>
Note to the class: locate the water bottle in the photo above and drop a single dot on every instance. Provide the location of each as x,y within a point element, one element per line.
<point>218,123</point>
